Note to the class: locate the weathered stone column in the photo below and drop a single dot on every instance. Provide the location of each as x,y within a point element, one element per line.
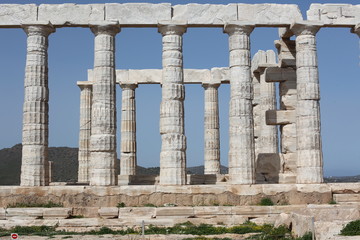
<point>211,129</point>
<point>128,130</point>
<point>85,131</point>
<point>173,148</point>
<point>241,125</point>
<point>309,150</point>
<point>103,158</point>
<point>35,165</point>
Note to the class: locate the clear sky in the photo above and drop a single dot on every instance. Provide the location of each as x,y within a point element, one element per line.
<point>71,54</point>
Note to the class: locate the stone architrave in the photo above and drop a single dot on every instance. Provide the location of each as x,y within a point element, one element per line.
<point>103,159</point>
<point>309,149</point>
<point>211,129</point>
<point>35,165</point>
<point>241,122</point>
<point>85,131</point>
<point>173,148</point>
<point>128,130</point>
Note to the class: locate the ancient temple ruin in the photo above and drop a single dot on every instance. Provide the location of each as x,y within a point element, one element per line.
<point>254,142</point>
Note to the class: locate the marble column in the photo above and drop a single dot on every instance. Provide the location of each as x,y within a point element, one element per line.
<point>103,159</point>
<point>128,130</point>
<point>173,140</point>
<point>85,131</point>
<point>309,150</point>
<point>241,122</point>
<point>211,129</point>
<point>35,165</point>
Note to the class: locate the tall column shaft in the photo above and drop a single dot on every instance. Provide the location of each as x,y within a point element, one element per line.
<point>35,165</point>
<point>103,157</point>
<point>173,140</point>
<point>309,150</point>
<point>128,130</point>
<point>211,130</point>
<point>241,125</point>
<point>85,131</point>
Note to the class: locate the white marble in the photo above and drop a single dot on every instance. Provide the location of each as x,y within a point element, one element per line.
<point>35,165</point>
<point>241,124</point>
<point>309,149</point>
<point>173,140</point>
<point>103,158</point>
<point>128,130</point>
<point>85,131</point>
<point>211,129</point>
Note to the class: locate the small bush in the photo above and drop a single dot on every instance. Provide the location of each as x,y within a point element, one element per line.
<point>351,229</point>
<point>266,202</point>
<point>121,205</point>
<point>332,201</point>
<point>149,205</point>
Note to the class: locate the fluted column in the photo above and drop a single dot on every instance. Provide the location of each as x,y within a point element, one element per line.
<point>103,157</point>
<point>85,131</point>
<point>173,140</point>
<point>241,123</point>
<point>128,130</point>
<point>35,165</point>
<point>211,129</point>
<point>309,150</point>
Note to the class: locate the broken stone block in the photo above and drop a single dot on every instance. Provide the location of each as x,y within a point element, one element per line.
<point>57,212</point>
<point>109,212</point>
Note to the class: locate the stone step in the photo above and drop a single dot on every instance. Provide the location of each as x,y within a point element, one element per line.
<point>346,197</point>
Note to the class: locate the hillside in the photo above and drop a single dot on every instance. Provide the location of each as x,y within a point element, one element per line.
<point>65,166</point>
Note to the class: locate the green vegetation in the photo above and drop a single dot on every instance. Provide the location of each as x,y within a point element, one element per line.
<point>266,202</point>
<point>49,204</point>
<point>149,205</point>
<point>332,201</point>
<point>121,205</point>
<point>351,229</point>
<point>205,238</point>
<point>265,232</point>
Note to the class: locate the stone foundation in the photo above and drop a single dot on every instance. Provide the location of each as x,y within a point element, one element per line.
<point>190,195</point>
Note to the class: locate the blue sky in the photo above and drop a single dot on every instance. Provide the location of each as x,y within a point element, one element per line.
<point>71,54</point>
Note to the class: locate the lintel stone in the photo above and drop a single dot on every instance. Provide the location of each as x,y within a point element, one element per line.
<point>71,14</point>
<point>334,15</point>
<point>205,14</point>
<point>280,117</point>
<point>139,14</point>
<point>14,15</point>
<point>269,14</point>
<point>277,74</point>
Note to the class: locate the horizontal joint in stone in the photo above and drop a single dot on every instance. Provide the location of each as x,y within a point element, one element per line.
<point>280,117</point>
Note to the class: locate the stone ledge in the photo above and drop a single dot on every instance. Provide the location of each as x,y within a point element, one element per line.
<point>187,195</point>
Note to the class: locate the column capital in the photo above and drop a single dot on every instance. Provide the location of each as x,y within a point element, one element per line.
<point>172,28</point>
<point>131,86</point>
<point>84,84</point>
<point>238,28</point>
<point>108,28</point>
<point>43,29</point>
<point>206,85</point>
<point>356,29</point>
<point>305,28</point>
